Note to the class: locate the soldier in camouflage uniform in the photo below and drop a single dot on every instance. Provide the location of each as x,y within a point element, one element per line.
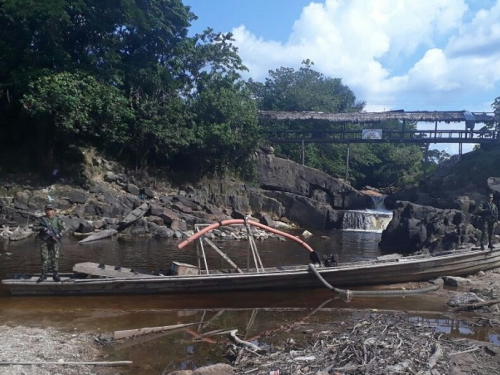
<point>489,214</point>
<point>51,228</point>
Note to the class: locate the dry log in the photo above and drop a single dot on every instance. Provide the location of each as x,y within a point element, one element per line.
<point>437,353</point>
<point>144,331</point>
<point>215,332</point>
<point>115,363</point>
<point>477,305</point>
<point>198,336</point>
<point>247,344</point>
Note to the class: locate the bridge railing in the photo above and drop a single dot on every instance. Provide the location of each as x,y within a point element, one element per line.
<point>408,136</point>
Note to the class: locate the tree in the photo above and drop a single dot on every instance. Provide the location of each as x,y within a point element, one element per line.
<point>115,46</point>
<point>288,89</point>
<point>496,109</point>
<point>119,75</point>
<point>402,166</point>
<point>304,90</point>
<point>227,130</point>
<point>307,90</point>
<point>76,108</point>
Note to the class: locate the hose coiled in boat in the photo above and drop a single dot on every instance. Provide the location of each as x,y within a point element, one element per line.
<point>371,293</point>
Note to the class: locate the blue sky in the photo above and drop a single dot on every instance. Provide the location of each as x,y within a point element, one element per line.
<point>394,54</point>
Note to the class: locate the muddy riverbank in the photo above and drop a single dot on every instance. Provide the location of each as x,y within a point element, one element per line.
<point>268,319</point>
<point>392,335</point>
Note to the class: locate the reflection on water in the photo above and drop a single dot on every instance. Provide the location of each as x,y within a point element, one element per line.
<point>152,254</point>
<point>252,314</point>
<point>457,328</point>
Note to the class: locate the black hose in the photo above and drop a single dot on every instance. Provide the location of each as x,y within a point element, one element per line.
<point>371,293</point>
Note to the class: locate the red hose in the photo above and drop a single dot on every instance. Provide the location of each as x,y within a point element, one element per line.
<point>197,235</point>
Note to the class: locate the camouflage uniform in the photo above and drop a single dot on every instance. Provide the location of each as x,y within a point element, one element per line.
<point>489,213</point>
<point>50,248</point>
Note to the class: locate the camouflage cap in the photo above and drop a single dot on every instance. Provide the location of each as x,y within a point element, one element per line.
<point>490,195</point>
<point>49,207</point>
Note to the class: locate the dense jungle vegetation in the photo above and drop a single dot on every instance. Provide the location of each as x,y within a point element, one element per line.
<point>124,77</point>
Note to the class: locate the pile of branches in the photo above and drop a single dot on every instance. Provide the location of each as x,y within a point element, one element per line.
<point>375,344</point>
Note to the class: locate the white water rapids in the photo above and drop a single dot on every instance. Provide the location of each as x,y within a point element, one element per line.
<point>369,220</point>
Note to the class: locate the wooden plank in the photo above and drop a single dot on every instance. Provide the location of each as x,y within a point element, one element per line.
<point>93,269</point>
<point>146,330</point>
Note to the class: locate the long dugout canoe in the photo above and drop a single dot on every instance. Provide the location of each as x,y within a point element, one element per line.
<point>406,269</point>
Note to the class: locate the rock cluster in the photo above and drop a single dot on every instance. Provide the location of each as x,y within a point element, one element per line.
<point>285,191</point>
<point>415,227</point>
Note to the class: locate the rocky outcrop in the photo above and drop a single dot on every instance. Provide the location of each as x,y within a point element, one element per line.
<point>276,174</point>
<point>305,195</point>
<point>285,191</point>
<point>415,227</point>
<point>460,183</point>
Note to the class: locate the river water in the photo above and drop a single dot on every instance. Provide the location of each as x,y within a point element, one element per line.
<point>252,313</point>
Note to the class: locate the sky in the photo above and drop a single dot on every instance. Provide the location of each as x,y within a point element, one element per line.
<point>416,55</point>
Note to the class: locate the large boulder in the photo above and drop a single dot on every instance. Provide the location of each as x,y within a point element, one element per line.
<point>278,174</point>
<point>414,227</point>
<point>304,211</point>
<point>77,196</point>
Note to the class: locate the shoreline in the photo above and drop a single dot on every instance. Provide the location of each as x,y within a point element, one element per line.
<point>299,338</point>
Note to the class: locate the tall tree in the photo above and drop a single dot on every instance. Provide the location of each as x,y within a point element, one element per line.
<point>226,125</point>
<point>117,74</point>
<point>288,89</point>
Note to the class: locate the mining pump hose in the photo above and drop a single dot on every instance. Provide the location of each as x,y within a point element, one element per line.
<point>371,293</point>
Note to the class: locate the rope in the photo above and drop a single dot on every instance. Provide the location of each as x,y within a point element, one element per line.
<point>371,293</point>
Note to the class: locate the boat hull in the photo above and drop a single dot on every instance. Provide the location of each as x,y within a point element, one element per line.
<point>459,263</point>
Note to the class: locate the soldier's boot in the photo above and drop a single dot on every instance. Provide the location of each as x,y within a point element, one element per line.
<point>490,246</point>
<point>42,277</point>
<point>55,276</point>
<point>482,246</point>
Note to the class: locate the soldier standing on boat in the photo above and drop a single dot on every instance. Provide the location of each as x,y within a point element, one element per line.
<point>489,215</point>
<point>51,228</point>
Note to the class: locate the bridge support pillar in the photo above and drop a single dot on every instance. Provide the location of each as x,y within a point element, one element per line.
<point>347,163</point>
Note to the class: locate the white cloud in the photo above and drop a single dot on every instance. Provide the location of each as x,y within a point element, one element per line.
<point>440,58</point>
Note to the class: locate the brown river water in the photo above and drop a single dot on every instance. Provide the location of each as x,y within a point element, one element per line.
<point>251,313</point>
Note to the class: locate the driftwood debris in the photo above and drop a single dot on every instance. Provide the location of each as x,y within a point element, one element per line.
<point>372,344</point>
<point>436,355</point>
<point>249,345</point>
<point>118,335</point>
<point>477,305</point>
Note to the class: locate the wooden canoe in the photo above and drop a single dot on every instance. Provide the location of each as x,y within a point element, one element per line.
<point>134,215</point>
<point>375,272</point>
<point>99,235</point>
<point>20,234</point>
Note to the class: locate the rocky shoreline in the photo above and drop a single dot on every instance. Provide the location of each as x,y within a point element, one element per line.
<point>104,194</point>
<point>370,342</point>
<point>285,194</point>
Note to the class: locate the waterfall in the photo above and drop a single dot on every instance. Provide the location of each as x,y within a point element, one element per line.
<point>369,220</point>
<point>378,202</point>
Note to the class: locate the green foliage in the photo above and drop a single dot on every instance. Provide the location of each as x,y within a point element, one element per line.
<point>80,107</point>
<point>402,165</point>
<point>122,75</point>
<point>437,156</point>
<point>307,90</point>
<point>288,89</point>
<point>227,130</point>
<point>304,90</point>
<point>160,128</point>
